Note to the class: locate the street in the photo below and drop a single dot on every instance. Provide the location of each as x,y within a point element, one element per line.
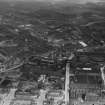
<point>8,99</point>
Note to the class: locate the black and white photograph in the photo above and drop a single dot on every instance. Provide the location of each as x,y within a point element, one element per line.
<point>52,52</point>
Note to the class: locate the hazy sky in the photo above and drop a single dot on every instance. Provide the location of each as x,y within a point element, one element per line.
<point>71,0</point>
<point>76,1</point>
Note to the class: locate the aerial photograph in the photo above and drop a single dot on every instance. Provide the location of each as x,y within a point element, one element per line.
<point>52,52</point>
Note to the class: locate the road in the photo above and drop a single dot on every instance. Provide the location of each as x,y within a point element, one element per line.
<point>91,23</point>
<point>102,74</point>
<point>12,68</point>
<point>67,80</point>
<point>41,98</point>
<point>67,84</point>
<point>8,99</point>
